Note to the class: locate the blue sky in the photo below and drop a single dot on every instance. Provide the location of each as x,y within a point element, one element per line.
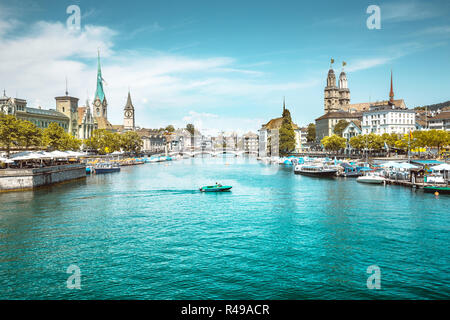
<point>224,64</point>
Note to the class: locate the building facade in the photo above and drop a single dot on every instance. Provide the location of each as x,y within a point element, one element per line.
<point>86,122</point>
<point>38,116</point>
<point>388,118</point>
<point>326,123</point>
<point>440,121</point>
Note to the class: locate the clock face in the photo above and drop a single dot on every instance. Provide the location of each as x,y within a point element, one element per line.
<point>128,114</point>
<point>97,103</point>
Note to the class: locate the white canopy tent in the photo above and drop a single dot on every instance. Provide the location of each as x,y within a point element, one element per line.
<point>441,167</point>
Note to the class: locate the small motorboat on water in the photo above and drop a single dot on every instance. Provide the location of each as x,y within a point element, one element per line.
<point>315,170</point>
<point>105,167</point>
<point>215,188</point>
<point>371,178</point>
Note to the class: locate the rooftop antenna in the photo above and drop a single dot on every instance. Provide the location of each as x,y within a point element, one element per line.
<point>67,92</point>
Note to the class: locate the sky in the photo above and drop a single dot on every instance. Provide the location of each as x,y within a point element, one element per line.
<point>223,65</point>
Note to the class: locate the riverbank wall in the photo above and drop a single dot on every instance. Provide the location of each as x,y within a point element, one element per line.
<point>28,179</point>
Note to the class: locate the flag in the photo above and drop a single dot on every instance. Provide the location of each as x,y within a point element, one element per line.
<point>410,135</point>
<point>344,63</point>
<point>332,60</point>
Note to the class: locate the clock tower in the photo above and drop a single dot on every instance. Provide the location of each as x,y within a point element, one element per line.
<point>128,119</point>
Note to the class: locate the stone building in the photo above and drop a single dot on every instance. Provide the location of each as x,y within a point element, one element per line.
<point>40,117</point>
<point>68,106</point>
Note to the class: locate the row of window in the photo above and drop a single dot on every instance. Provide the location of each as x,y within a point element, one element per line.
<point>44,124</point>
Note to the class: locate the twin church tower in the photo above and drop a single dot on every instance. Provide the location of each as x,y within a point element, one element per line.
<point>336,97</point>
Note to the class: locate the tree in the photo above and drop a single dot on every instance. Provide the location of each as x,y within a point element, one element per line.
<point>374,141</point>
<point>357,142</point>
<point>438,138</point>
<point>131,142</point>
<point>30,135</point>
<point>340,127</point>
<point>104,141</point>
<point>287,134</point>
<point>9,132</point>
<point>190,128</point>
<point>311,135</point>
<point>54,137</point>
<point>333,142</point>
<point>170,128</point>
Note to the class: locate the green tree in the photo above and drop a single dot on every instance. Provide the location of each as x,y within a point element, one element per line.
<point>311,135</point>
<point>104,141</point>
<point>287,134</point>
<point>30,135</point>
<point>438,138</point>
<point>333,142</point>
<point>9,132</point>
<point>54,137</point>
<point>339,127</point>
<point>190,128</point>
<point>357,142</point>
<point>131,142</point>
<point>170,128</point>
<point>374,141</point>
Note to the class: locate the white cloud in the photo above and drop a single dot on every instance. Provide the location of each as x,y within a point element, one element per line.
<point>408,11</point>
<point>363,64</point>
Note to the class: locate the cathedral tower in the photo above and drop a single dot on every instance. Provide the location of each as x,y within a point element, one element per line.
<point>331,93</point>
<point>128,120</point>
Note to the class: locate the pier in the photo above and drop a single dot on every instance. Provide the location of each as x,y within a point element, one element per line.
<point>29,179</point>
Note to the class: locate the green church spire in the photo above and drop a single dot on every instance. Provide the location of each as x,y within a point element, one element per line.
<point>99,93</point>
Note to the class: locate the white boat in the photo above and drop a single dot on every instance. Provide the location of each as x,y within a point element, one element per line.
<point>371,178</point>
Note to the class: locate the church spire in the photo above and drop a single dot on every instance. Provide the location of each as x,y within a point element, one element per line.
<point>99,93</point>
<point>391,93</point>
<point>129,104</point>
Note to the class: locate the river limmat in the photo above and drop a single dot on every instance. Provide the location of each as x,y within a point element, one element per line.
<point>148,233</point>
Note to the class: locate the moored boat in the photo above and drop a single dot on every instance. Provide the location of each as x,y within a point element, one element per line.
<point>433,189</point>
<point>105,167</point>
<point>315,170</point>
<point>371,178</point>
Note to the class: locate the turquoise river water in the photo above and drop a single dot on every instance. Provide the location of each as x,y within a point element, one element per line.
<point>148,233</point>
